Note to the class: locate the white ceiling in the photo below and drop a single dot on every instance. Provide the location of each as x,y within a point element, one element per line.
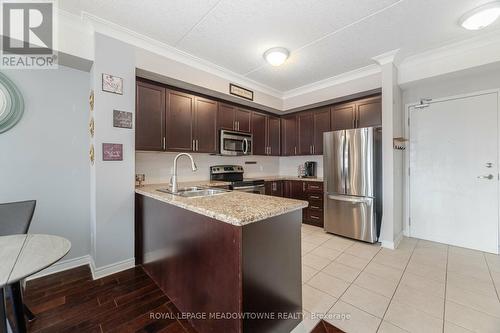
<point>326,37</point>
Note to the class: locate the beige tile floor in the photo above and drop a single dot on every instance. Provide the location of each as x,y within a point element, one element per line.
<point>420,287</point>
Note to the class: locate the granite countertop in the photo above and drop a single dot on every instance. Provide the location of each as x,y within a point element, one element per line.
<point>272,178</point>
<point>236,208</point>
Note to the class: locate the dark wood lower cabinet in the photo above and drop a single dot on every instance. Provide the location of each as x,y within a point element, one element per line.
<point>310,191</point>
<point>218,270</point>
<point>274,188</point>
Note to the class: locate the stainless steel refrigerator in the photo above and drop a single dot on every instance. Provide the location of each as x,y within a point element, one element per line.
<point>353,183</point>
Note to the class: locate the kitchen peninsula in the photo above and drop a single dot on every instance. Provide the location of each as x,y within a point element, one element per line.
<point>224,259</point>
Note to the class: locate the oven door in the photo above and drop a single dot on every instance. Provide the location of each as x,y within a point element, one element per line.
<point>235,143</point>
<point>257,189</point>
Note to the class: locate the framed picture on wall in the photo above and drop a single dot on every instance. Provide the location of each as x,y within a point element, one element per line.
<point>112,84</point>
<point>112,152</point>
<point>122,119</point>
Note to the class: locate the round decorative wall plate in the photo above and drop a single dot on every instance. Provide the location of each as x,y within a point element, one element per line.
<point>11,104</point>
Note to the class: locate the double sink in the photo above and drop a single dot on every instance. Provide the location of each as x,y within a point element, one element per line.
<point>195,191</point>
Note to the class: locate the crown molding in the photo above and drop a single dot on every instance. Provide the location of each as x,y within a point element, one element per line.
<point>147,43</point>
<point>387,58</point>
<point>333,81</point>
<point>455,56</point>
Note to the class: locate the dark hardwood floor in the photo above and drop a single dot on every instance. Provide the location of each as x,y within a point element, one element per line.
<point>324,327</point>
<point>71,301</point>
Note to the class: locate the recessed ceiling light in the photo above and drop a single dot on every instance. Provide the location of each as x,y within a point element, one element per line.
<point>276,56</point>
<point>481,17</point>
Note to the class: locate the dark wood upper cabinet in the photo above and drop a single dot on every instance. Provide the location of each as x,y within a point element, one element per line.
<point>273,135</point>
<point>234,118</point>
<point>306,133</point>
<point>180,122</point>
<point>321,125</point>
<point>242,118</point>
<point>226,117</point>
<point>289,135</point>
<point>343,116</point>
<point>171,120</point>
<point>266,134</point>
<point>259,131</point>
<point>205,125</point>
<point>150,116</point>
<point>369,112</point>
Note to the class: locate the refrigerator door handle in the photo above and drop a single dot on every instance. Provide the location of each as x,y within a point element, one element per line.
<point>349,199</point>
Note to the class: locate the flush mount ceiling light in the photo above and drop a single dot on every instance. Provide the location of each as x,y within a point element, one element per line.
<point>481,17</point>
<point>276,56</point>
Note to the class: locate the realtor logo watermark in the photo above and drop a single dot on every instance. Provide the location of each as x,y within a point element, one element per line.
<point>28,31</point>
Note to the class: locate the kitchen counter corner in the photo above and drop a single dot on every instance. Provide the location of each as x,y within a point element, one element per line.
<point>236,208</point>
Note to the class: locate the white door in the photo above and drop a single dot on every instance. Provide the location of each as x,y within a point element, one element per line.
<point>454,172</point>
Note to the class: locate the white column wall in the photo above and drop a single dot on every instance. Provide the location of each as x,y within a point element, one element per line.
<point>112,182</point>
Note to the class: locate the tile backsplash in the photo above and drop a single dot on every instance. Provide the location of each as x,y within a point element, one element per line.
<point>157,166</point>
<point>289,164</point>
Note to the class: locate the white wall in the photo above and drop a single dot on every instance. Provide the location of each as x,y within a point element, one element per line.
<point>113,181</point>
<point>358,85</point>
<point>466,81</point>
<point>45,157</point>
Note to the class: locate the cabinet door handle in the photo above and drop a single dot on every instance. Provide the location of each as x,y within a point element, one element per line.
<point>295,150</point>
<point>194,145</point>
<point>164,144</point>
<point>314,217</point>
<point>197,144</point>
<point>313,149</point>
<point>314,197</point>
<point>303,186</point>
<point>314,207</point>
<point>270,150</point>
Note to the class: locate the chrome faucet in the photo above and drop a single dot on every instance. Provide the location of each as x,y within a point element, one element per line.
<point>173,180</point>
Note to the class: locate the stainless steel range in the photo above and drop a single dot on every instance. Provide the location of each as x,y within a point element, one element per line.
<point>234,175</point>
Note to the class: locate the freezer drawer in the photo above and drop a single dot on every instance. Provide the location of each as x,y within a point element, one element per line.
<point>349,216</point>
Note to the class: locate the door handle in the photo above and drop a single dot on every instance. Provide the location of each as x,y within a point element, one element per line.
<point>349,199</point>
<point>489,177</point>
<point>197,144</point>
<point>245,146</point>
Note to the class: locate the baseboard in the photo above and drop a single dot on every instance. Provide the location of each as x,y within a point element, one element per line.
<point>100,272</point>
<point>62,266</point>
<point>398,239</point>
<point>392,245</point>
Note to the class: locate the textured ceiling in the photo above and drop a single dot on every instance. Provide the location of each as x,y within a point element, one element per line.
<point>326,37</point>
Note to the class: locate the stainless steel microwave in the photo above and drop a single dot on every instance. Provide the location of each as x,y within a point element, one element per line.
<point>235,143</point>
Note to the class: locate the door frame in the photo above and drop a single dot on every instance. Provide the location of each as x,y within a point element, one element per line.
<point>406,160</point>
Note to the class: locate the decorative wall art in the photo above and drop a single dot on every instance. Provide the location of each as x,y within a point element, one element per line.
<point>240,92</point>
<point>91,154</point>
<point>91,100</point>
<point>11,104</point>
<point>122,119</point>
<point>112,152</point>
<point>91,127</point>
<point>112,84</point>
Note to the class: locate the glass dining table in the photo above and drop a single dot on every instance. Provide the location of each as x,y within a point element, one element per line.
<point>20,257</point>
